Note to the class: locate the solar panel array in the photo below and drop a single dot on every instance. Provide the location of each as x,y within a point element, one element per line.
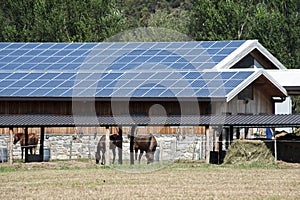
<point>121,84</point>
<point>115,56</point>
<point>152,69</point>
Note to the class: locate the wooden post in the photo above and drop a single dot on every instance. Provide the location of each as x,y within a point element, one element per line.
<point>107,144</point>
<point>71,143</point>
<point>120,153</point>
<point>227,136</point>
<point>89,146</point>
<point>161,148</point>
<point>11,132</point>
<point>230,134</point>
<point>238,133</point>
<point>131,144</point>
<point>207,134</point>
<point>42,144</point>
<point>275,150</point>
<point>26,144</point>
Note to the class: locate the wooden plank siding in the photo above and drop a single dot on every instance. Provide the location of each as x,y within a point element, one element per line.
<point>104,108</point>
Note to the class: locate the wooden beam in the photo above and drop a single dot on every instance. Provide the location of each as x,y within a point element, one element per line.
<point>26,144</point>
<point>11,133</point>
<point>133,128</point>
<point>42,136</point>
<point>207,134</point>
<point>120,153</point>
<point>230,134</point>
<point>238,133</point>
<point>107,144</point>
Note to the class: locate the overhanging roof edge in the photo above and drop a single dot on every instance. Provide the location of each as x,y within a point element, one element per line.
<point>236,55</point>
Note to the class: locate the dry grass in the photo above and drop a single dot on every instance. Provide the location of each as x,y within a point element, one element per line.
<point>75,180</point>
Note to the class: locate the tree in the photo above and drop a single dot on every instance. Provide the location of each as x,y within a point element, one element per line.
<point>59,20</point>
<point>175,19</point>
<point>276,24</point>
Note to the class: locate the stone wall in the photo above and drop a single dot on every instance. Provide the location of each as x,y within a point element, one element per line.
<point>62,146</point>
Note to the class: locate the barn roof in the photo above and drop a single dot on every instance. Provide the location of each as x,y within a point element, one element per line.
<point>127,69</point>
<point>289,79</point>
<point>183,120</point>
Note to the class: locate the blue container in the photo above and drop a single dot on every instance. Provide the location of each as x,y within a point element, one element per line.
<point>46,157</point>
<point>4,156</point>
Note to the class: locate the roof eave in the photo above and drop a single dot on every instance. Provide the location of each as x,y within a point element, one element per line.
<point>246,48</point>
<point>250,80</point>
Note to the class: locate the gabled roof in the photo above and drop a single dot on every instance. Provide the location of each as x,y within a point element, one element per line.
<point>125,70</point>
<point>246,48</point>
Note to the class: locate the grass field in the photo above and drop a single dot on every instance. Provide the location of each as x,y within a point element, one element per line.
<point>85,180</point>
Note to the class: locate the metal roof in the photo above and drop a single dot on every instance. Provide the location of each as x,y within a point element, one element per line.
<point>289,79</point>
<point>126,69</point>
<point>188,120</point>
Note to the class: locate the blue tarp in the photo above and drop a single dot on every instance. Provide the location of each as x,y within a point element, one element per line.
<point>269,133</point>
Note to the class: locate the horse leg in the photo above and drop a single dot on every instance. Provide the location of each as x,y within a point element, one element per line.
<point>136,152</point>
<point>97,156</point>
<point>30,149</point>
<point>140,156</point>
<point>103,157</point>
<point>114,155</point>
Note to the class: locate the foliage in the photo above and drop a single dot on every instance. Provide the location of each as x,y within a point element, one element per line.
<point>57,20</point>
<point>275,24</point>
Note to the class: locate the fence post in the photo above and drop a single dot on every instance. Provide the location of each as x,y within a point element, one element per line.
<point>161,148</point>
<point>11,145</point>
<point>275,150</point>
<point>2,155</point>
<point>207,133</point>
<point>70,156</point>
<point>107,144</point>
<point>89,143</point>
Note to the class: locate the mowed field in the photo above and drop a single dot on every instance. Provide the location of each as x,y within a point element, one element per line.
<point>85,180</point>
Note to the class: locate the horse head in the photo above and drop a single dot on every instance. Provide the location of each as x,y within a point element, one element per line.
<point>150,157</point>
<point>116,140</point>
<point>17,137</point>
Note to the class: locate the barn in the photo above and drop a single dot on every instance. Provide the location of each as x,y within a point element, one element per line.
<point>206,83</point>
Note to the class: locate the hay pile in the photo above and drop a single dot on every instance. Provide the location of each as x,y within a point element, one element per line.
<point>249,152</point>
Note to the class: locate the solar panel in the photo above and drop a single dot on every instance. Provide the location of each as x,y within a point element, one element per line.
<point>149,69</point>
<point>109,54</point>
<point>145,84</point>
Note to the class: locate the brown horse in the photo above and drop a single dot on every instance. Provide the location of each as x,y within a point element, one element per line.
<point>115,140</point>
<point>32,141</point>
<point>145,143</point>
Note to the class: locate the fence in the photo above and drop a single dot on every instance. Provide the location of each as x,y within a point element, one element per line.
<point>170,147</point>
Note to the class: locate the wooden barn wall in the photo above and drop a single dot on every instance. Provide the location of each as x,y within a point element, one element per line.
<point>104,108</point>
<point>262,103</point>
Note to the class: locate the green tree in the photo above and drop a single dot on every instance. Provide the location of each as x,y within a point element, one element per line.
<point>176,19</point>
<point>276,24</point>
<point>59,20</point>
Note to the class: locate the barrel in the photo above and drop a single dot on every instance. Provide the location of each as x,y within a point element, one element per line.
<point>3,155</point>
<point>46,157</point>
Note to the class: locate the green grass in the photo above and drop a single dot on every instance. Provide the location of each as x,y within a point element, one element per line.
<point>6,169</point>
